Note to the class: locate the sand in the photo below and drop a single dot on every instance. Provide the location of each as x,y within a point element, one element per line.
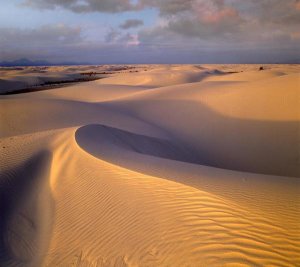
<point>152,165</point>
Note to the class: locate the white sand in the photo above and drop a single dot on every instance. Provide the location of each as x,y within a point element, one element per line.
<point>167,166</point>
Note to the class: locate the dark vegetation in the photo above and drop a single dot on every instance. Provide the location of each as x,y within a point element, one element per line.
<point>50,85</point>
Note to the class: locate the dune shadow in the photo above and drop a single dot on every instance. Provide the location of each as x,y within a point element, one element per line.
<point>26,209</point>
<point>95,138</point>
<point>216,140</point>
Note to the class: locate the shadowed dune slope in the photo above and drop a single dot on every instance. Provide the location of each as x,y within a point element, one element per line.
<point>26,211</point>
<point>95,138</point>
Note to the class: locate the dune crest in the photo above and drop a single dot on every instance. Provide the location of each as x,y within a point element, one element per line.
<point>97,138</point>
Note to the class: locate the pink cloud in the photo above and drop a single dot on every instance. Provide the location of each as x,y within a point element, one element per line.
<point>295,35</point>
<point>220,15</point>
<point>133,40</point>
<point>214,12</point>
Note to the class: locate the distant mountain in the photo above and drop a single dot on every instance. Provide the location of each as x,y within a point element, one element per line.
<point>26,62</point>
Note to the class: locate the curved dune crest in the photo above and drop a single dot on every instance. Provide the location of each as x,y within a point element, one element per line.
<point>112,144</point>
<point>98,139</point>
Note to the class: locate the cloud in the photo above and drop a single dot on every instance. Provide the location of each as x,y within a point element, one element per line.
<point>45,36</point>
<point>197,19</point>
<point>209,30</point>
<point>131,23</point>
<point>224,23</point>
<point>112,36</point>
<point>168,7</point>
<point>131,39</point>
<point>266,12</point>
<point>45,40</point>
<point>83,6</point>
<point>116,37</point>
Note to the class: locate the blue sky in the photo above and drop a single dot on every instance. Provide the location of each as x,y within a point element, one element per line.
<point>154,31</point>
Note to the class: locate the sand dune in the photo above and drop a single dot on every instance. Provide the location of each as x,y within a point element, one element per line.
<point>167,166</point>
<point>252,127</point>
<point>163,76</point>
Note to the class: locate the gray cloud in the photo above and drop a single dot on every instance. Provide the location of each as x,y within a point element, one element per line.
<point>44,36</point>
<point>131,23</point>
<point>168,7</point>
<point>120,38</point>
<point>226,23</point>
<point>200,18</point>
<point>112,36</point>
<point>109,6</point>
<point>266,12</point>
<point>158,45</point>
<point>45,40</point>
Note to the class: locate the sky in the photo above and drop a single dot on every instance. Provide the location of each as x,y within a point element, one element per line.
<point>151,31</point>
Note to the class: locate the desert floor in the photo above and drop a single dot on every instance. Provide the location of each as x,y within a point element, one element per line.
<point>151,165</point>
